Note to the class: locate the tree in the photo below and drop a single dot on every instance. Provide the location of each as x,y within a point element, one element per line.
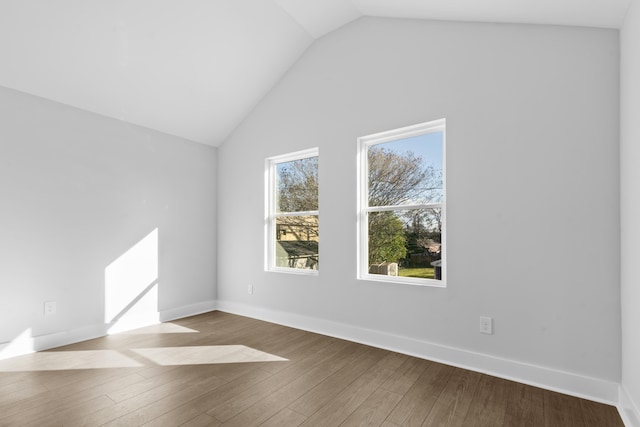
<point>297,191</point>
<point>396,178</point>
<point>297,185</point>
<point>424,228</point>
<point>387,241</point>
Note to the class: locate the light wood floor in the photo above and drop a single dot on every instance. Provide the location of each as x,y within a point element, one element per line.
<point>221,369</point>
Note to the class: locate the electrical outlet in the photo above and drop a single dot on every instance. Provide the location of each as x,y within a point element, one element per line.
<point>486,325</point>
<point>50,308</point>
<point>250,289</point>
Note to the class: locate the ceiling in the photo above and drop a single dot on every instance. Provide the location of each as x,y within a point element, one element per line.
<point>196,68</point>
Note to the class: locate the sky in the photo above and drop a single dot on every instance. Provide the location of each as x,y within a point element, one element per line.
<point>428,146</point>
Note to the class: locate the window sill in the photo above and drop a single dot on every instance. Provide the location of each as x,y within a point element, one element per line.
<point>431,283</point>
<point>298,271</point>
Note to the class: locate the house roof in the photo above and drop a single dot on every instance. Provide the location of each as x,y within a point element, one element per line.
<point>296,248</point>
<point>195,68</point>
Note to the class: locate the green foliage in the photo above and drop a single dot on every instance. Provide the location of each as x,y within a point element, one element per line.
<point>397,178</point>
<point>387,241</point>
<point>423,230</point>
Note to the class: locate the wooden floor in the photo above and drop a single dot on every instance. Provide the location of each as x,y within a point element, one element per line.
<point>220,369</point>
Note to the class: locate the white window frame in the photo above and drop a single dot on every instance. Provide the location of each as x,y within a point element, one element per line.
<point>364,209</point>
<point>271,214</point>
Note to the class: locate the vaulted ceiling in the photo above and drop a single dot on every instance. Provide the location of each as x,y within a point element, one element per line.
<point>196,68</point>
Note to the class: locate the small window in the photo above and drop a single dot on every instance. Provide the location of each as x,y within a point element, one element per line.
<point>292,213</point>
<point>401,231</point>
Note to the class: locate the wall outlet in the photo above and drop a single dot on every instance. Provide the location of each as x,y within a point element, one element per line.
<point>50,308</point>
<point>486,325</point>
<point>250,289</point>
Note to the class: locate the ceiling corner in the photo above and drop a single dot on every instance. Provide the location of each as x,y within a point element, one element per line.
<point>320,17</point>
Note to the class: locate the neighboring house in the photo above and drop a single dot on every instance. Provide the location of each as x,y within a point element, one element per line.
<point>297,242</point>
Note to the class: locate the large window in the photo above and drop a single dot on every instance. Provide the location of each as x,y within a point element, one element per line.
<point>292,212</point>
<point>401,232</point>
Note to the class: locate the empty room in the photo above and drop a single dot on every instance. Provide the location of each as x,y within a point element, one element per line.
<point>305,212</point>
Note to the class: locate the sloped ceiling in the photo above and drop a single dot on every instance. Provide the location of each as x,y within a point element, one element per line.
<point>195,68</point>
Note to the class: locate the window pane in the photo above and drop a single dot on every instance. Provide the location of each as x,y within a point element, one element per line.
<point>406,243</point>
<point>406,171</point>
<point>297,242</point>
<point>297,185</point>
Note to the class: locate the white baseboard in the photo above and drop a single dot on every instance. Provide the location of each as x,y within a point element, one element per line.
<point>58,339</point>
<point>628,410</point>
<point>28,344</point>
<point>564,382</point>
<point>187,310</point>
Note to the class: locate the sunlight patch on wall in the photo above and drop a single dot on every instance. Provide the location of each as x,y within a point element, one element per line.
<point>22,344</point>
<point>68,360</point>
<point>131,287</point>
<point>202,355</point>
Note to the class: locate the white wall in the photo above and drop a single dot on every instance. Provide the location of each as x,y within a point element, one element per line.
<point>533,195</point>
<point>77,191</point>
<point>630,212</point>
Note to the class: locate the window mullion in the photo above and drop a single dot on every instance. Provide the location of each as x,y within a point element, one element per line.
<point>403,207</point>
<point>300,213</point>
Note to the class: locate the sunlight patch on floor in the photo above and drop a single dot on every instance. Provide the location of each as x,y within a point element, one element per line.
<point>201,355</point>
<point>68,360</point>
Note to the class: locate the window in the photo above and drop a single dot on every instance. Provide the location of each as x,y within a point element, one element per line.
<point>401,205</point>
<point>292,212</point>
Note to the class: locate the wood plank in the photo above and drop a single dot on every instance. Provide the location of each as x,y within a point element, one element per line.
<point>317,397</point>
<point>406,376</point>
<point>561,410</point>
<point>148,397</point>
<point>374,410</point>
<point>214,397</point>
<point>454,402</point>
<point>8,378</point>
<point>416,404</point>
<point>279,399</point>
<point>338,409</point>
<point>180,375</point>
<point>286,417</point>
<point>27,387</point>
<point>176,399</point>
<point>489,403</point>
<point>203,420</point>
<point>525,406</point>
<point>266,388</point>
<point>71,411</point>
<point>598,414</point>
<point>55,401</point>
